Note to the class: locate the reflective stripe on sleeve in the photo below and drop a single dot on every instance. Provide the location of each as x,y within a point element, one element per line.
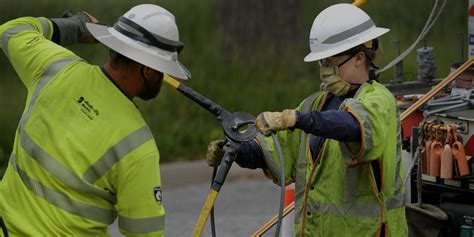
<point>13,31</point>
<point>142,225</point>
<point>48,74</point>
<point>116,153</point>
<point>45,25</point>
<point>363,118</point>
<point>62,201</point>
<point>60,172</point>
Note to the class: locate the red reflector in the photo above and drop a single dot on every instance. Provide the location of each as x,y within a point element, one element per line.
<point>411,121</point>
<point>469,147</point>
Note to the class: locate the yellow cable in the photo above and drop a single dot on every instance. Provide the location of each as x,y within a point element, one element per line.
<point>171,82</point>
<point>211,198</point>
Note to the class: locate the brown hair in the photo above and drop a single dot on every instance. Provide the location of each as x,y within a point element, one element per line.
<point>120,60</point>
<point>370,53</point>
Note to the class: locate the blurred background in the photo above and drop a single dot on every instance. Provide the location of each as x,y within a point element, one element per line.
<point>246,55</point>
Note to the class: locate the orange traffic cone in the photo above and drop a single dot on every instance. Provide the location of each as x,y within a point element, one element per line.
<point>288,224</point>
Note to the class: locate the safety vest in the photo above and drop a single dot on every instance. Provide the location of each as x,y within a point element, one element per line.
<point>336,194</point>
<point>83,154</point>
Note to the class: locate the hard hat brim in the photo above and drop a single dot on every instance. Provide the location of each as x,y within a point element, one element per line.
<point>150,56</point>
<point>370,34</point>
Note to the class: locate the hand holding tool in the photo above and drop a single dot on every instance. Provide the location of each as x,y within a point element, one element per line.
<point>215,153</point>
<point>268,122</point>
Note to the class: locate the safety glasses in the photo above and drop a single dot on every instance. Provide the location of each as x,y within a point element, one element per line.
<point>331,61</point>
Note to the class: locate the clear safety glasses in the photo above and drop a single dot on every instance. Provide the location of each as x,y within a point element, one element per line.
<point>331,61</point>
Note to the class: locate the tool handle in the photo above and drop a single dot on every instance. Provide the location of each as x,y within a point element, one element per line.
<point>436,89</point>
<point>225,165</point>
<point>201,100</point>
<point>206,209</point>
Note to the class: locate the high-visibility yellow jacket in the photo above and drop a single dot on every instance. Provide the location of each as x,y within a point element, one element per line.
<point>336,192</point>
<point>83,154</point>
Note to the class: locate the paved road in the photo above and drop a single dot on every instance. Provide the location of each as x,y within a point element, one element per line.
<point>246,201</point>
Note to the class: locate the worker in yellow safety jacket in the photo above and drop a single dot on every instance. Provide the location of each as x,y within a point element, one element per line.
<point>83,154</point>
<point>341,146</point>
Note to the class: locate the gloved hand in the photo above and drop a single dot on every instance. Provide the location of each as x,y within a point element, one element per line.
<point>88,38</point>
<point>268,122</point>
<point>72,28</point>
<point>67,14</point>
<point>215,152</point>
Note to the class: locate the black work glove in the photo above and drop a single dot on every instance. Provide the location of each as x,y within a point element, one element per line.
<point>72,28</point>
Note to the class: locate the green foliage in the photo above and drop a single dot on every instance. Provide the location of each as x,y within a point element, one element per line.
<point>269,78</point>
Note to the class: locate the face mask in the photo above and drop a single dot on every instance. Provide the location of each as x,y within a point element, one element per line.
<point>332,81</point>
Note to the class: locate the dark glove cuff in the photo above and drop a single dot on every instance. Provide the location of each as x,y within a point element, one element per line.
<point>72,30</point>
<point>298,121</point>
<point>250,156</point>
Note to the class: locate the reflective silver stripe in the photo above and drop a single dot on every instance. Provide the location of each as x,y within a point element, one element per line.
<point>60,172</point>
<point>351,181</point>
<point>45,25</point>
<point>13,31</point>
<point>301,163</point>
<point>117,152</point>
<point>396,201</point>
<point>350,32</point>
<point>355,209</point>
<point>367,136</point>
<point>268,157</point>
<point>142,225</point>
<point>48,74</point>
<point>12,161</point>
<point>62,201</point>
<point>398,175</point>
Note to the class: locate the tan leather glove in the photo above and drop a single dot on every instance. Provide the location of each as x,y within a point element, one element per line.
<point>215,152</point>
<point>268,122</point>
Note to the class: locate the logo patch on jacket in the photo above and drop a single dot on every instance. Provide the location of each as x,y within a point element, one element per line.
<point>87,108</point>
<point>157,194</point>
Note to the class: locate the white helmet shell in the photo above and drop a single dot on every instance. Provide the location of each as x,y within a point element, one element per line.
<point>148,35</point>
<point>338,28</point>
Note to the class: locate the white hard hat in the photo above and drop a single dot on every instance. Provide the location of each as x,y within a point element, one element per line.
<point>148,35</point>
<point>338,28</point>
